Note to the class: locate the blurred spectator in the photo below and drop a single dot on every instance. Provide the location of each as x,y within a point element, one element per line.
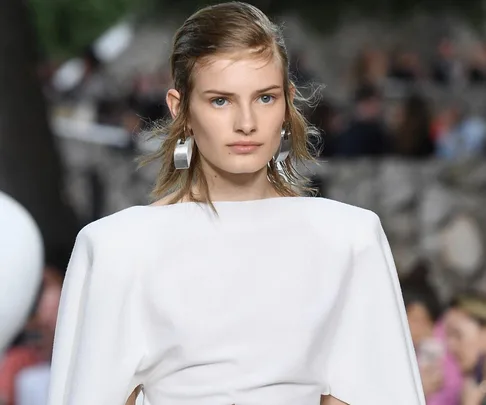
<point>447,69</point>
<point>48,307</point>
<point>300,70</point>
<point>33,349</point>
<point>147,100</point>
<point>22,354</point>
<point>369,68</point>
<point>477,66</point>
<point>411,128</point>
<point>109,111</point>
<point>328,119</point>
<point>439,372</point>
<point>405,66</point>
<point>421,302</point>
<point>466,339</point>
<point>366,135</point>
<point>460,135</point>
<point>32,385</point>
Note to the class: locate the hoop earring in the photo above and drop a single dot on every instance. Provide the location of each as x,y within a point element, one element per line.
<point>183,153</point>
<point>284,148</point>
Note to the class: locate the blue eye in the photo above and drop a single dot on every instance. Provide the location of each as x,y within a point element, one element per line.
<point>219,102</point>
<point>267,99</point>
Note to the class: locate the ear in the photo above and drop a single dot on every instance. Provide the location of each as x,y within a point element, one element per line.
<point>173,100</point>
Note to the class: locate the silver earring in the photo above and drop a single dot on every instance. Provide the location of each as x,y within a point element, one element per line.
<point>183,153</point>
<point>284,148</point>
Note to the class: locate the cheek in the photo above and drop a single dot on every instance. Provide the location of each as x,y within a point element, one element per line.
<point>468,349</point>
<point>277,115</point>
<point>271,123</point>
<point>472,345</point>
<point>209,133</point>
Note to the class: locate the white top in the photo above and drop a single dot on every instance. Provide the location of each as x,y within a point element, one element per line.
<point>274,302</point>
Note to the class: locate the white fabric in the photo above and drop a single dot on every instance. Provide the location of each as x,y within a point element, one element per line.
<point>31,385</point>
<point>21,262</point>
<point>273,302</point>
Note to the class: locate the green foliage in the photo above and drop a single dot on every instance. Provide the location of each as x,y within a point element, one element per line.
<point>65,27</point>
<point>324,15</point>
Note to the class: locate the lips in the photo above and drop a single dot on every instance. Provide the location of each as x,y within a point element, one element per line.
<point>244,147</point>
<point>247,143</point>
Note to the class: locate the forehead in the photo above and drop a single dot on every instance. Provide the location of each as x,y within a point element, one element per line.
<point>236,72</point>
<point>458,318</point>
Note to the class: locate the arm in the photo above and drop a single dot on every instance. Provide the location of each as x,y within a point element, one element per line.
<point>472,393</point>
<point>133,397</point>
<point>98,345</point>
<point>328,400</point>
<point>371,358</point>
<point>450,392</point>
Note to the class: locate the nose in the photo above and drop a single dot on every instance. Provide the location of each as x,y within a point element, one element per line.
<point>245,122</point>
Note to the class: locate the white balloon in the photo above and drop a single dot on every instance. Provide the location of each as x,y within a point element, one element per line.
<point>21,263</point>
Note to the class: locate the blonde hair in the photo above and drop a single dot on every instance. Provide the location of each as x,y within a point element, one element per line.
<point>473,304</point>
<point>220,29</point>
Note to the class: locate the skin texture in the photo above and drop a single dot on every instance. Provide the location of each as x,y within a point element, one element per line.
<point>235,99</point>
<point>420,321</point>
<point>328,400</point>
<point>465,339</point>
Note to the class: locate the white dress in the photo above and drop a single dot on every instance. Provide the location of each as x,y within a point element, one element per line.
<point>274,302</point>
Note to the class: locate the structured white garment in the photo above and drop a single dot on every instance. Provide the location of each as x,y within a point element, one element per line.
<point>273,302</point>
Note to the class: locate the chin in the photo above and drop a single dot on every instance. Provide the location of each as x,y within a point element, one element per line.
<point>244,167</point>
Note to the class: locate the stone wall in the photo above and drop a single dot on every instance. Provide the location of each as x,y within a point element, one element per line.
<point>433,212</point>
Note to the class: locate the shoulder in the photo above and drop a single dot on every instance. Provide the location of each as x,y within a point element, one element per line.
<point>339,213</point>
<point>117,244</point>
<point>355,223</point>
<point>117,231</point>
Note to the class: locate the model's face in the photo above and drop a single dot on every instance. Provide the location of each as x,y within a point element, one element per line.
<point>465,338</point>
<point>237,110</point>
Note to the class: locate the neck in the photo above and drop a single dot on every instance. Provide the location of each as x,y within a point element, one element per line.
<point>224,186</point>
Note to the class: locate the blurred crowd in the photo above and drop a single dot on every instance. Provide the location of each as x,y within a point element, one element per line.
<point>407,128</point>
<point>25,367</point>
<point>387,109</point>
<point>449,341</point>
<point>377,122</point>
<point>446,67</point>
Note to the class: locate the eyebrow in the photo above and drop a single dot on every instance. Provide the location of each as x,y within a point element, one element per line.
<point>225,93</point>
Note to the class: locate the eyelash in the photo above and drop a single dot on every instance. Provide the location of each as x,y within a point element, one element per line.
<point>225,99</point>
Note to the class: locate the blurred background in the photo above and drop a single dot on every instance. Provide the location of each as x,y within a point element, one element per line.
<point>402,112</point>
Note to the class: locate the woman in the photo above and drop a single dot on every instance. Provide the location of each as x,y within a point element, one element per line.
<point>439,371</point>
<point>466,339</point>
<point>219,292</point>
<point>412,138</point>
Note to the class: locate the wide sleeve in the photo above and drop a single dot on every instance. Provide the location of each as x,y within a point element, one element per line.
<point>371,358</point>
<point>98,343</point>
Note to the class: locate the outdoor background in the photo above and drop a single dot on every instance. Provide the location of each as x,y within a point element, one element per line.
<point>402,113</point>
